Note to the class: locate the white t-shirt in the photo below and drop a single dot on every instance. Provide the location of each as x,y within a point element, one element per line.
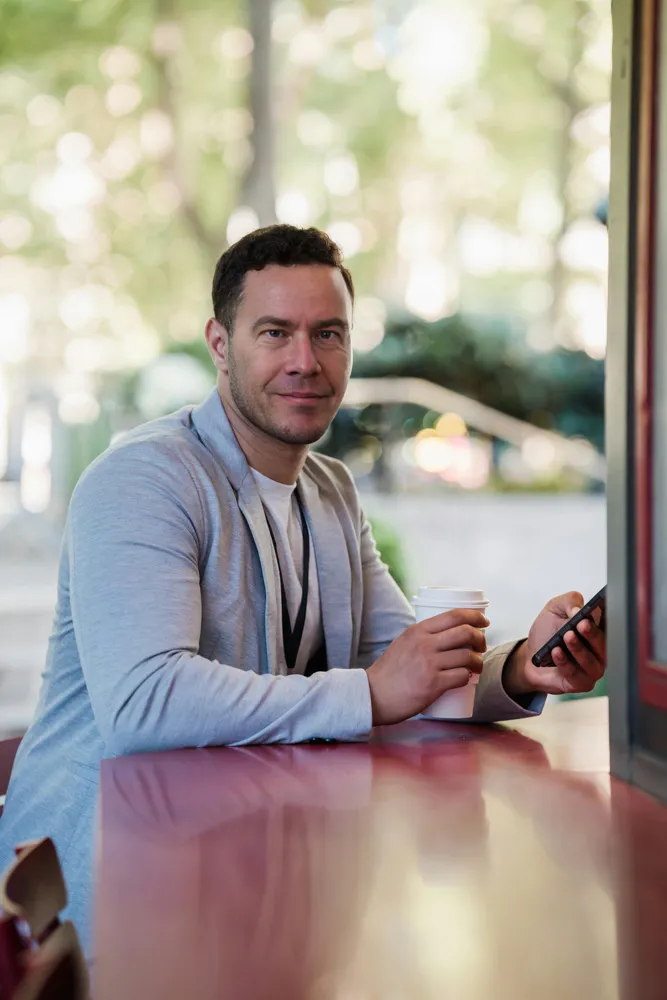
<point>282,511</point>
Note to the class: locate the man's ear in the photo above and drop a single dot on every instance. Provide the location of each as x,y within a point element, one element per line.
<point>217,341</point>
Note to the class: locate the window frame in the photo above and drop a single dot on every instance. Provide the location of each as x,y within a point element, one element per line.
<point>652,674</point>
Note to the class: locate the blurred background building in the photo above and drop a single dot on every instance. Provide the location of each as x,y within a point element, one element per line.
<point>459,154</point>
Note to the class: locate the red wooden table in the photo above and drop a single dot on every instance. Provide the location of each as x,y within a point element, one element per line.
<point>437,861</point>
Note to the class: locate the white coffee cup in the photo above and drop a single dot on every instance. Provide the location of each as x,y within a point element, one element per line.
<point>457,703</point>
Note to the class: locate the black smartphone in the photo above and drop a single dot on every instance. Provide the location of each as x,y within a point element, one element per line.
<point>542,657</point>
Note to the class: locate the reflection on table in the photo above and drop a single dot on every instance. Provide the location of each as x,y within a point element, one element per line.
<point>437,861</point>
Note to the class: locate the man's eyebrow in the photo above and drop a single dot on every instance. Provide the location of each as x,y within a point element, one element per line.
<point>287,324</point>
<point>334,321</point>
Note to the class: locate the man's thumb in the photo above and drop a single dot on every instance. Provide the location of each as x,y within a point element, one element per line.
<point>574,602</point>
<point>567,605</point>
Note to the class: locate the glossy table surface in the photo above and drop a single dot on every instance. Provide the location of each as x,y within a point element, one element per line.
<point>437,861</point>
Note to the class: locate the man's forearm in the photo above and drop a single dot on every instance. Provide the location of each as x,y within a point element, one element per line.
<point>192,702</point>
<point>512,673</point>
<point>494,702</point>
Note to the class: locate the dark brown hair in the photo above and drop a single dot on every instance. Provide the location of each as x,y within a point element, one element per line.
<point>282,245</point>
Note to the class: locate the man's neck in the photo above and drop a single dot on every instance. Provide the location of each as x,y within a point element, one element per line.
<point>274,459</point>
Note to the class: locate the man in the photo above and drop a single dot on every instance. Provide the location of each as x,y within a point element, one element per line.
<point>219,583</point>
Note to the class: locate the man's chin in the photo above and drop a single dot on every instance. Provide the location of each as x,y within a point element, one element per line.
<point>301,435</point>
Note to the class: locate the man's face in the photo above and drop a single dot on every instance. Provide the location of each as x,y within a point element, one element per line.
<point>288,359</point>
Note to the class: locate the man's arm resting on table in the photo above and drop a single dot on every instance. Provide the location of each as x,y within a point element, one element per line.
<point>134,543</point>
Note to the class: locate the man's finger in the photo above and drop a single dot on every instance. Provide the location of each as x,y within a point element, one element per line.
<point>459,638</point>
<point>454,659</point>
<point>454,618</point>
<point>565,663</point>
<point>585,658</point>
<point>594,637</point>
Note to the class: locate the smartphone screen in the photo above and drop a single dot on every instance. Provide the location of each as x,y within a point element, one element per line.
<point>542,657</point>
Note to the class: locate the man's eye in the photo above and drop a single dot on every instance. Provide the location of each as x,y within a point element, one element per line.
<point>274,334</point>
<point>329,334</point>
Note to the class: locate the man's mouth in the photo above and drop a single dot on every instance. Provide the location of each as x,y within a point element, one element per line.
<point>304,395</point>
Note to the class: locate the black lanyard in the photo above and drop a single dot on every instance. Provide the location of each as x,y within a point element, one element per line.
<point>292,636</point>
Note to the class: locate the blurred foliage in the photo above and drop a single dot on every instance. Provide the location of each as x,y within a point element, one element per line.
<point>487,359</point>
<point>480,126</point>
<point>389,546</point>
<point>565,481</point>
<point>456,150</point>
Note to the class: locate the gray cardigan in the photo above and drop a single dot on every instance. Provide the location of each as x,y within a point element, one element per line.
<point>168,625</point>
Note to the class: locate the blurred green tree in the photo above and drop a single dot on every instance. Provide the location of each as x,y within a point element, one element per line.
<point>391,552</point>
<point>488,359</point>
<point>401,126</point>
<point>455,150</point>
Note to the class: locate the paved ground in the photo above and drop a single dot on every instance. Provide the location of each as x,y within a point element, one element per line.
<point>521,549</point>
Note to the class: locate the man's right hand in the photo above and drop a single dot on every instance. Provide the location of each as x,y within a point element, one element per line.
<point>426,660</point>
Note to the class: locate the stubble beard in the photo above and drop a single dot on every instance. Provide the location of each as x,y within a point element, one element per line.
<point>253,413</point>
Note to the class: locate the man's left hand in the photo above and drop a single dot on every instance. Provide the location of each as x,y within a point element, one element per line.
<point>574,671</point>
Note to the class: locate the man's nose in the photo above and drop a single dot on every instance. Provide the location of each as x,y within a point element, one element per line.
<point>302,359</point>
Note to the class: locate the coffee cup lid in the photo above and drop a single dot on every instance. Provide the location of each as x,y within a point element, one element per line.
<point>458,597</point>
